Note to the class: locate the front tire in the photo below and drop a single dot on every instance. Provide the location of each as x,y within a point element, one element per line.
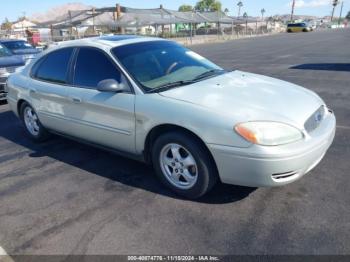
<point>184,164</point>
<point>34,129</point>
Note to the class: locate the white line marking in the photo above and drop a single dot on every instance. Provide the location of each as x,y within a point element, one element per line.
<point>344,127</point>
<point>2,252</point>
<point>4,257</point>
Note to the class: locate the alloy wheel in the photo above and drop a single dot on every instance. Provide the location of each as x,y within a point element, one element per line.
<point>178,166</point>
<point>31,121</point>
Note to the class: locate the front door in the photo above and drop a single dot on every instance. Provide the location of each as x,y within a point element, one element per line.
<point>104,118</point>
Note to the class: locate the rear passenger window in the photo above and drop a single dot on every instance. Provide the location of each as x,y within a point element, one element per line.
<point>54,67</point>
<point>93,66</point>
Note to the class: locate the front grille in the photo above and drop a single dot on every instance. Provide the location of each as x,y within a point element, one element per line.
<point>315,120</point>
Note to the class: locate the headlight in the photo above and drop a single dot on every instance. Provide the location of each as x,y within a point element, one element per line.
<point>268,133</point>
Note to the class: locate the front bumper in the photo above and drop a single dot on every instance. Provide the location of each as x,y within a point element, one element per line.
<point>263,166</point>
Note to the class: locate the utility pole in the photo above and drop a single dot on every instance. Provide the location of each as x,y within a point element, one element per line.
<point>161,11</point>
<point>71,23</point>
<point>245,15</point>
<point>262,14</point>
<point>292,14</point>
<point>341,12</point>
<point>335,3</point>
<point>23,20</point>
<point>93,21</point>
<point>118,9</point>
<point>51,32</point>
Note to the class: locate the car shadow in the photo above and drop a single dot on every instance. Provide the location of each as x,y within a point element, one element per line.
<point>324,66</point>
<point>115,168</point>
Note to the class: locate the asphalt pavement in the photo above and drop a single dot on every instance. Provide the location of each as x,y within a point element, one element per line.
<point>62,197</point>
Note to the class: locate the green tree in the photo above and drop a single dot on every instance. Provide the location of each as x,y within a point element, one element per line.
<point>208,5</point>
<point>348,16</point>
<point>6,25</point>
<point>21,18</point>
<point>263,11</point>
<point>185,8</point>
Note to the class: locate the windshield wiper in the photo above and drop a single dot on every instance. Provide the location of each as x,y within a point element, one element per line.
<point>171,85</point>
<point>209,73</point>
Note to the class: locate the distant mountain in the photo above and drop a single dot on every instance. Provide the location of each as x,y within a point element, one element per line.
<point>58,11</point>
<point>297,17</point>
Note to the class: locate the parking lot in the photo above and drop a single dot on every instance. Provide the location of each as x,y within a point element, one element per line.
<point>62,197</point>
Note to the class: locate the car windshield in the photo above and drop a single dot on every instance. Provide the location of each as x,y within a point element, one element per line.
<point>16,45</point>
<point>4,51</point>
<point>163,64</point>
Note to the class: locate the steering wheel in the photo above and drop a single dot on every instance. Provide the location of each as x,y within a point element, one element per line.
<point>171,67</point>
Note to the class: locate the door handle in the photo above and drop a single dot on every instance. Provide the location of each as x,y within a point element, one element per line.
<point>76,99</point>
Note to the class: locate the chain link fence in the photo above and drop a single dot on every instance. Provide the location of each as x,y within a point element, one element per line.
<point>185,27</point>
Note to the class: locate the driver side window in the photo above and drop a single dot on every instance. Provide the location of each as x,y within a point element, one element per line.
<point>93,66</point>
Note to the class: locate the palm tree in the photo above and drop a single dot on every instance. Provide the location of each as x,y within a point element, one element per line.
<point>292,14</point>
<point>240,5</point>
<point>245,15</point>
<point>335,3</point>
<point>262,14</point>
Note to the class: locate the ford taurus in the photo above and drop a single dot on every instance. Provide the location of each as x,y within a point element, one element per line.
<point>156,101</point>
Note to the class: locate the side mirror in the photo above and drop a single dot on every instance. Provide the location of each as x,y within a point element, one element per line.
<point>111,85</point>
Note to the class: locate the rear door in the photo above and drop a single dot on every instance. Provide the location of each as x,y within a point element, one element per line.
<point>104,118</point>
<point>48,88</point>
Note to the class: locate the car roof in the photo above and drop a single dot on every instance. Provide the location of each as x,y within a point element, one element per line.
<point>300,23</point>
<point>109,40</point>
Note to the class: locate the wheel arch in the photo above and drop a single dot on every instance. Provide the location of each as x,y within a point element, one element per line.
<point>19,105</point>
<point>159,130</point>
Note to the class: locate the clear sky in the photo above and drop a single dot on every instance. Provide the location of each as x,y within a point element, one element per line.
<point>15,8</point>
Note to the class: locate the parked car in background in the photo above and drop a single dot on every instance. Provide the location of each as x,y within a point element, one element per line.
<point>156,101</point>
<point>312,25</point>
<point>21,47</point>
<point>298,27</point>
<point>9,63</point>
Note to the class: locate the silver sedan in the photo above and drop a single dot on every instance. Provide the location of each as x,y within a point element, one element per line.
<point>161,103</point>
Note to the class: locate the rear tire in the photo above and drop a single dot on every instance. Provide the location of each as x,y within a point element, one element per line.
<point>184,164</point>
<point>34,129</point>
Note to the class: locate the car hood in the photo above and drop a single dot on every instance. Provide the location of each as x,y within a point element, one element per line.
<point>9,61</point>
<point>251,97</point>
